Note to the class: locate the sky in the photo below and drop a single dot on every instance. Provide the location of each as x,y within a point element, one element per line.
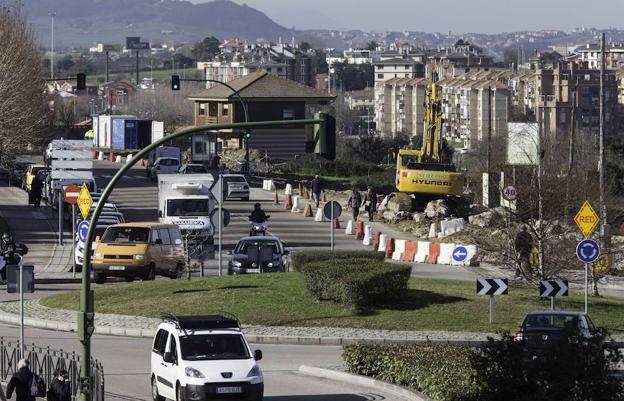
<point>458,16</point>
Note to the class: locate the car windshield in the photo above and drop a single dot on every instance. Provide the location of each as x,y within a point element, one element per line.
<point>244,245</point>
<point>552,321</point>
<point>188,207</point>
<point>195,170</point>
<point>168,162</point>
<point>234,179</point>
<point>213,346</point>
<point>126,234</point>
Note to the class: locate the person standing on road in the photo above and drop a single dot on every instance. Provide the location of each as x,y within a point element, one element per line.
<point>59,388</point>
<point>354,202</point>
<point>21,382</point>
<point>317,188</point>
<point>370,202</point>
<point>36,188</point>
<point>523,245</point>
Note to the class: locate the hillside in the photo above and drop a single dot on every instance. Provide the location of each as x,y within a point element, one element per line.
<point>83,22</point>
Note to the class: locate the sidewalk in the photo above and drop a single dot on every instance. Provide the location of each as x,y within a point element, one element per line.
<point>38,230</point>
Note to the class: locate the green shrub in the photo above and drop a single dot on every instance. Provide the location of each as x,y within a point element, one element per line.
<point>443,372</point>
<point>300,259</point>
<point>358,282</point>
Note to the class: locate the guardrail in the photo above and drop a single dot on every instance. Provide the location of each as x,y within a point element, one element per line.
<point>44,361</point>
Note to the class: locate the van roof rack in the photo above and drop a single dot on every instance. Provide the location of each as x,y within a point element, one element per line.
<point>221,320</point>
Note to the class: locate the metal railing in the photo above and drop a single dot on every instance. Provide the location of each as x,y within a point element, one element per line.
<point>44,361</point>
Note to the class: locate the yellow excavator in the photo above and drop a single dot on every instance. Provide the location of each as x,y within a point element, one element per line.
<point>423,172</point>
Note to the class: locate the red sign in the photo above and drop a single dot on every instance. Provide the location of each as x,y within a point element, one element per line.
<point>72,193</point>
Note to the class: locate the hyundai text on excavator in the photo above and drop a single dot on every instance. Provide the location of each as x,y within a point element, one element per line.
<point>424,173</point>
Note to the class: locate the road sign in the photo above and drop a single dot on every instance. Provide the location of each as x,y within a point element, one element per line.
<point>460,254</point>
<point>85,201</point>
<point>83,229</point>
<point>509,193</point>
<point>492,286</point>
<point>553,288</point>
<point>602,264</point>
<point>72,192</point>
<point>586,219</point>
<point>587,250</point>
<point>327,210</point>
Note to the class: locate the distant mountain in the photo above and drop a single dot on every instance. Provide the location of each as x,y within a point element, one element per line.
<point>83,22</point>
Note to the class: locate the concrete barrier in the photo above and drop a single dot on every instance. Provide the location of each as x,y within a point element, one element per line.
<point>368,235</point>
<point>383,238</point>
<point>118,159</point>
<point>128,158</point>
<point>434,252</point>
<point>100,156</point>
<point>399,248</point>
<point>319,216</point>
<point>446,254</point>
<point>359,230</point>
<point>295,207</point>
<point>422,252</point>
<point>350,230</point>
<point>288,190</point>
<point>473,256</point>
<point>410,251</point>
<point>433,230</point>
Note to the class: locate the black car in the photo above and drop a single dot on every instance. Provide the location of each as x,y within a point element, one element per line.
<point>259,255</point>
<point>550,326</point>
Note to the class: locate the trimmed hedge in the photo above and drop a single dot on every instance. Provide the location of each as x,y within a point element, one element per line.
<point>357,282</point>
<point>300,259</point>
<point>443,372</point>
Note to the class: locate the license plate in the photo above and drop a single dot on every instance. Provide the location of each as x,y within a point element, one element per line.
<point>229,390</point>
<point>253,270</point>
<point>117,268</point>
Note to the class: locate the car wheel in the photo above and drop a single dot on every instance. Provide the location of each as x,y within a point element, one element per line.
<point>259,394</point>
<point>155,395</point>
<point>99,278</point>
<point>151,274</point>
<point>179,394</point>
<point>179,272</point>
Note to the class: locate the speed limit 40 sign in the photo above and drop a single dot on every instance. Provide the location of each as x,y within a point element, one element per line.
<point>509,193</point>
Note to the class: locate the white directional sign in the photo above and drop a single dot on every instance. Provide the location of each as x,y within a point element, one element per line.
<point>553,288</point>
<point>492,286</point>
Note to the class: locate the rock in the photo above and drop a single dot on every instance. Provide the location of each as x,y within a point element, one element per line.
<point>418,217</point>
<point>436,208</point>
<point>389,215</point>
<point>399,202</point>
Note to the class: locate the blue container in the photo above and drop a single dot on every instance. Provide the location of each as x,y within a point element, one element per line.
<point>119,137</point>
<point>131,134</point>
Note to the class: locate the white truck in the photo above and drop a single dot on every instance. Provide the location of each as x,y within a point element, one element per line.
<point>160,152</point>
<point>187,200</point>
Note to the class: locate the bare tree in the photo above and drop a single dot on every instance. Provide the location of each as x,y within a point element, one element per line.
<point>23,109</point>
<point>161,104</point>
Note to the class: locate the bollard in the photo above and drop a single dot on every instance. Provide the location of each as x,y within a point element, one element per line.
<point>295,208</point>
<point>350,230</point>
<point>336,223</point>
<point>376,240</point>
<point>308,210</point>
<point>288,190</point>
<point>288,204</point>
<point>368,235</point>
<point>359,231</point>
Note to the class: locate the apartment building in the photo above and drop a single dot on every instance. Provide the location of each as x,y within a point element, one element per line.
<point>404,110</point>
<point>614,55</point>
<point>556,99</point>
<point>389,69</point>
<point>458,59</point>
<point>361,100</point>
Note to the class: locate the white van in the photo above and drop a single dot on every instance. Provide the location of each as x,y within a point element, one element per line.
<point>164,165</point>
<point>204,357</point>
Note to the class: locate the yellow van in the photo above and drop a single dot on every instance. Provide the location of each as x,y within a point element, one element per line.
<point>142,250</point>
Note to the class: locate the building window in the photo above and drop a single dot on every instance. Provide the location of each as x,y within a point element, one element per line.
<point>407,67</point>
<point>213,109</point>
<point>202,109</point>
<point>279,70</point>
<point>226,110</point>
<point>380,76</point>
<point>288,114</point>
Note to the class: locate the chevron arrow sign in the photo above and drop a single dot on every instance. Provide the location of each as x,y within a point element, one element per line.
<point>492,286</point>
<point>553,288</point>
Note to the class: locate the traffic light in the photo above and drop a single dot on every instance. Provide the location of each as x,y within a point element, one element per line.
<point>325,136</point>
<point>247,135</point>
<point>175,82</point>
<point>81,81</point>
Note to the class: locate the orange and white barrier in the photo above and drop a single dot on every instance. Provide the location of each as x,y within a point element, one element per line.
<point>410,251</point>
<point>359,231</point>
<point>288,190</point>
<point>350,230</point>
<point>446,254</point>
<point>128,159</point>
<point>434,252</point>
<point>100,155</point>
<point>383,238</point>
<point>295,205</point>
<point>368,235</point>
<point>320,217</point>
<point>422,252</point>
<point>389,248</point>
<point>399,248</point>
<point>118,159</point>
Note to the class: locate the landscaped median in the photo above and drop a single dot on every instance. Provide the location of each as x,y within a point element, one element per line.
<point>282,299</point>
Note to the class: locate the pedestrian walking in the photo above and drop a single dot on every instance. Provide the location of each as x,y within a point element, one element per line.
<point>523,245</point>
<point>370,203</point>
<point>36,188</point>
<point>59,388</point>
<point>26,385</point>
<point>354,202</point>
<point>317,188</point>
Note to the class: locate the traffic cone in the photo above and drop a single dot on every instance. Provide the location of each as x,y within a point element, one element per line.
<point>308,211</point>
<point>336,223</point>
<point>359,230</point>
<point>276,201</point>
<point>288,202</point>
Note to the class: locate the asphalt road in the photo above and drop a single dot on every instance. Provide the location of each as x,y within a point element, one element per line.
<point>127,369</point>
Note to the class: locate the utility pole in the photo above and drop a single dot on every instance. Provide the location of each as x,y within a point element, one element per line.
<point>570,152</point>
<point>604,227</point>
<point>52,14</point>
<point>540,209</point>
<point>489,133</point>
<point>137,68</point>
<point>107,77</point>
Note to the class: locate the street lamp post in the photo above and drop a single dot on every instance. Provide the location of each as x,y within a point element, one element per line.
<point>52,14</point>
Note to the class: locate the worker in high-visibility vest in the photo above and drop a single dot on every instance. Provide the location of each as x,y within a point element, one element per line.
<point>89,134</point>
